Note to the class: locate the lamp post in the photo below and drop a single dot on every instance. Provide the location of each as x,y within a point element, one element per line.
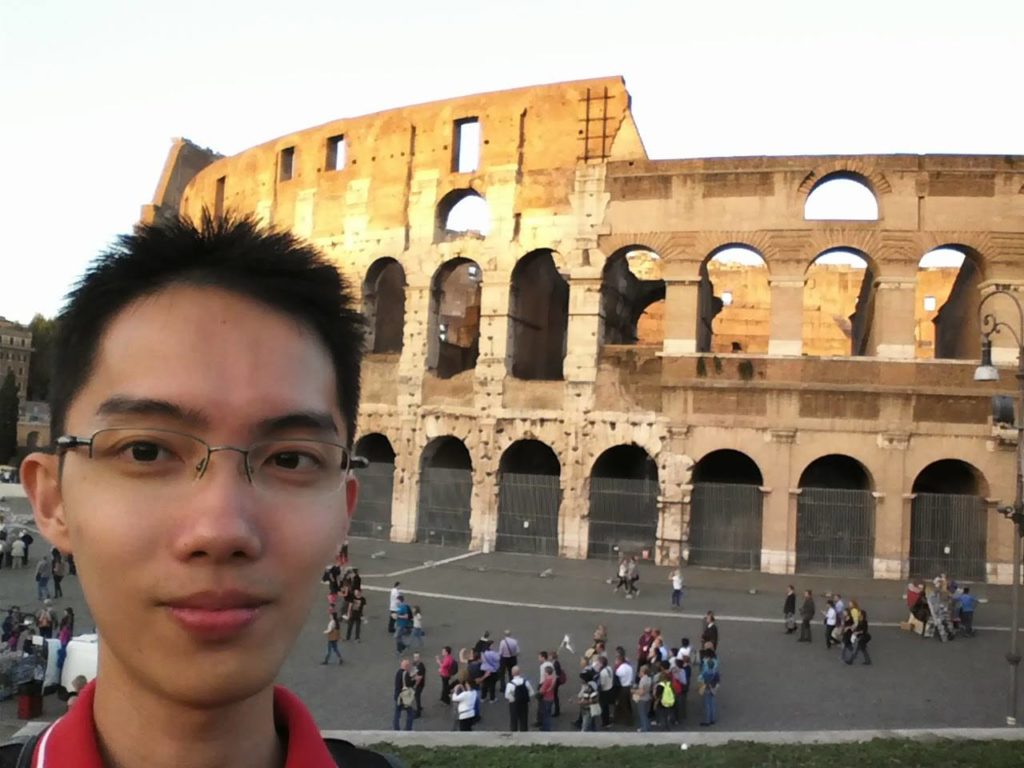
<point>990,326</point>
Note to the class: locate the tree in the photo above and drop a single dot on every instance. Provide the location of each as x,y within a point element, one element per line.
<point>8,418</point>
<point>43,331</point>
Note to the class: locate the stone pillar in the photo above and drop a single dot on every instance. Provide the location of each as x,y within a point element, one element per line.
<point>483,519</point>
<point>892,510</point>
<point>674,474</point>
<point>682,306</point>
<point>573,518</point>
<point>406,491</point>
<point>778,522</point>
<point>786,328</point>
<point>580,367</point>
<point>892,327</point>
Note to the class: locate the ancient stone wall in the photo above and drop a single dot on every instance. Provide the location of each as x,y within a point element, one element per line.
<point>800,363</point>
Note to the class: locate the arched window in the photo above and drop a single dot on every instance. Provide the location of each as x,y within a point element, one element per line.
<point>838,304</point>
<point>623,503</point>
<point>446,491</point>
<point>632,298</point>
<point>734,302</point>
<point>384,305</point>
<point>454,334</point>
<point>946,304</point>
<point>529,496</point>
<point>538,317</point>
<point>726,511</point>
<point>462,212</point>
<point>948,521</point>
<point>835,518</point>
<point>372,516</point>
<point>842,197</point>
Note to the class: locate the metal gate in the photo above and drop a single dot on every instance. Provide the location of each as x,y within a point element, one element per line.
<point>528,513</point>
<point>947,535</point>
<point>373,510</point>
<point>725,526</point>
<point>444,507</point>
<point>623,517</point>
<point>835,532</point>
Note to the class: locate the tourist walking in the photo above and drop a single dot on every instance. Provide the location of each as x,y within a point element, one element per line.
<point>710,633</point>
<point>333,633</point>
<point>789,610</point>
<point>44,570</point>
<point>59,570</point>
<point>419,671</point>
<point>356,606</point>
<point>623,573</point>
<point>709,679</point>
<point>45,619</point>
<point>393,607</point>
<point>587,698</point>
<point>642,699</point>
<point>405,696</point>
<point>417,627</point>
<point>968,604</point>
<point>508,650</point>
<point>807,614</point>
<point>861,638</point>
<point>17,554</point>
<point>677,588</point>
<point>632,577</point>
<point>831,620</point>
<point>466,701</point>
<point>547,698</point>
<point>518,693</point>
<point>446,668</point>
<point>403,624</point>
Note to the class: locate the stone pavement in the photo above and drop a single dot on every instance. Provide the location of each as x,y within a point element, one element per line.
<point>770,683</point>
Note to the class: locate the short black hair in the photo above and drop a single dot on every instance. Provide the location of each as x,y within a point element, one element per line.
<point>237,254</point>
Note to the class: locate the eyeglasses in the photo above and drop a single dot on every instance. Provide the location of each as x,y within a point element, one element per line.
<point>163,459</point>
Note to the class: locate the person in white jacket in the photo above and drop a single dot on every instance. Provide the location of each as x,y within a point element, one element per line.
<point>465,698</point>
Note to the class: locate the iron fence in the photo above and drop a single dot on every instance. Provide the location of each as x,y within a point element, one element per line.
<point>623,517</point>
<point>947,535</point>
<point>725,526</point>
<point>528,513</point>
<point>373,510</point>
<point>835,532</point>
<point>444,507</point>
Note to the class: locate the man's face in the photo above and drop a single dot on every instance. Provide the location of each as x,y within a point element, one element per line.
<point>228,364</point>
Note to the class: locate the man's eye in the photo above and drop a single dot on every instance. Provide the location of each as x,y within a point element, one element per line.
<point>144,452</point>
<point>295,460</point>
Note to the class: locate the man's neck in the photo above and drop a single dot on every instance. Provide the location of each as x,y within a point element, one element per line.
<point>137,728</point>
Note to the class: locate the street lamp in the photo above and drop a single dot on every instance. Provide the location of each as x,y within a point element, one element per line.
<point>991,326</point>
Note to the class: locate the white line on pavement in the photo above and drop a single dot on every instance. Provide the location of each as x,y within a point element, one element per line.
<point>612,611</point>
<point>426,565</point>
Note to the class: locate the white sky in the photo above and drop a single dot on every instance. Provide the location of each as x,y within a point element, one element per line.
<point>92,91</point>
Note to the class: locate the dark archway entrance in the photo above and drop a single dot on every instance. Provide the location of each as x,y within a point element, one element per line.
<point>529,496</point>
<point>453,343</point>
<point>384,306</point>
<point>835,518</point>
<point>538,317</point>
<point>446,491</point>
<point>725,512</point>
<point>632,298</point>
<point>376,487</point>
<point>948,522</point>
<point>623,503</point>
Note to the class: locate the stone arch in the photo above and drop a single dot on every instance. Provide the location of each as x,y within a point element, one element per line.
<point>949,521</point>
<point>372,516</point>
<point>624,490</point>
<point>529,498</point>
<point>842,196</point>
<point>871,176</point>
<point>384,306</point>
<point>838,303</point>
<point>460,213</point>
<point>630,302</point>
<point>32,440</point>
<point>446,493</point>
<point>453,340</point>
<point>835,524</point>
<point>734,299</point>
<point>946,303</point>
<point>538,317</point>
<point>726,511</point>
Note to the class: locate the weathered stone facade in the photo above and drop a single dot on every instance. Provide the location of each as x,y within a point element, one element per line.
<point>582,315</point>
<point>15,354</point>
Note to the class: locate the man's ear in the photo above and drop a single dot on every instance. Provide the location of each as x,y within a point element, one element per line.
<point>40,476</point>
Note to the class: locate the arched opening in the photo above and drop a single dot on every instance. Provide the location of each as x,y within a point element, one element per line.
<point>835,518</point>
<point>838,304</point>
<point>946,304</point>
<point>462,212</point>
<point>623,503</point>
<point>372,516</point>
<point>726,512</point>
<point>539,317</point>
<point>633,298</point>
<point>842,196</point>
<point>32,440</point>
<point>446,492</point>
<point>384,306</point>
<point>453,341</point>
<point>949,521</point>
<point>734,302</point>
<point>529,497</point>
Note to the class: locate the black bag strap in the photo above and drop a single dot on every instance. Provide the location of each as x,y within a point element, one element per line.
<point>18,754</point>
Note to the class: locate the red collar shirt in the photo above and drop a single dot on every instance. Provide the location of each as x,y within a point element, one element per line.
<point>71,741</point>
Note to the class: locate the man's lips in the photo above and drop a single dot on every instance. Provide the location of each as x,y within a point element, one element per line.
<point>216,614</point>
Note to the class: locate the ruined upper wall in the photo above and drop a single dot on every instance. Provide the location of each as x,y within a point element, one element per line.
<point>914,192</point>
<point>398,160</point>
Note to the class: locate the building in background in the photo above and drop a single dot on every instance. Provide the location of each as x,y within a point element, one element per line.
<point>578,350</point>
<point>15,353</point>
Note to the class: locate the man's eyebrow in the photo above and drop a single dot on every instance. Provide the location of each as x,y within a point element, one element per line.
<point>320,421</point>
<point>121,405</point>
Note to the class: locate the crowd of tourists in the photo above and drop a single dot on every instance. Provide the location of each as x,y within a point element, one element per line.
<point>845,625</point>
<point>943,608</point>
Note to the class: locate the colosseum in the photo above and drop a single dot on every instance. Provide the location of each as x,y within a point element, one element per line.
<point>577,350</point>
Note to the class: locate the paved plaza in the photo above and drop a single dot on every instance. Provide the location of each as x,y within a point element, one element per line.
<point>770,682</point>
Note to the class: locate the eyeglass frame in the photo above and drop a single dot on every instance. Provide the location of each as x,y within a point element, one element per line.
<point>66,443</point>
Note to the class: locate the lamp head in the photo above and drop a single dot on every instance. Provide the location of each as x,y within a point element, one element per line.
<point>986,371</point>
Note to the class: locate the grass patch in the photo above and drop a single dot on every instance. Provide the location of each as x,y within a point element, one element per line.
<point>880,753</point>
